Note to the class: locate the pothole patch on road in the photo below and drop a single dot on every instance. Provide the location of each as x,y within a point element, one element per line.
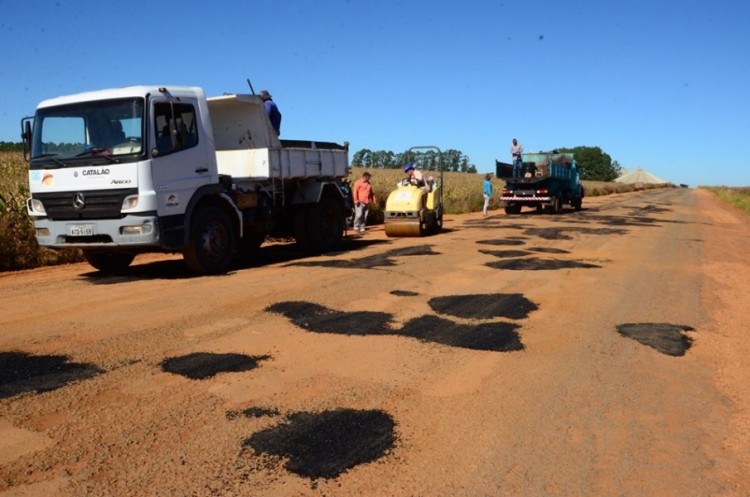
<point>561,233</point>
<point>503,242</point>
<point>385,259</point>
<point>203,365</point>
<point>498,337</point>
<point>253,412</point>
<point>21,372</point>
<point>484,306</point>
<point>326,444</point>
<point>320,319</point>
<point>493,337</point>
<point>667,338</point>
<point>549,250</point>
<point>537,264</point>
<point>505,253</point>
<point>404,293</point>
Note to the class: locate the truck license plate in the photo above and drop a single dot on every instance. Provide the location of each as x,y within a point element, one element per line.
<point>80,229</point>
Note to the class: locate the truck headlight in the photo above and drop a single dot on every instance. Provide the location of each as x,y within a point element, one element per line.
<point>138,229</point>
<point>130,202</point>
<point>36,206</point>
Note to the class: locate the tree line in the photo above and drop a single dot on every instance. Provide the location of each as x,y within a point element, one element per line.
<point>593,163</point>
<point>452,160</point>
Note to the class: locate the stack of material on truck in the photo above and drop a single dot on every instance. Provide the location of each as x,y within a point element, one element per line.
<point>548,180</point>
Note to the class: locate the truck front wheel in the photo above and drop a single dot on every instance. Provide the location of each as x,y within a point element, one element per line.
<point>212,243</point>
<point>108,262</point>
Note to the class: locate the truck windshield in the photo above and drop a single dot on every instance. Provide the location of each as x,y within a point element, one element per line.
<point>104,130</point>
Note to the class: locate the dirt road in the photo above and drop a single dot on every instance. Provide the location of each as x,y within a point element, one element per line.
<point>600,352</point>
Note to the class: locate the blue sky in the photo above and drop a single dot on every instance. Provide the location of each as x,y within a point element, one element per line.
<point>659,84</point>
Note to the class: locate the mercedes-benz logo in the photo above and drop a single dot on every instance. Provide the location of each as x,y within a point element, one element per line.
<point>79,201</point>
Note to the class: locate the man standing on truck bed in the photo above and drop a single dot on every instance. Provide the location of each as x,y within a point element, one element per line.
<point>516,149</point>
<point>272,110</point>
<point>363,197</point>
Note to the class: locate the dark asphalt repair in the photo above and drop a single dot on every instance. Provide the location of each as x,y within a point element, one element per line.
<point>404,293</point>
<point>508,242</point>
<point>487,306</point>
<point>326,444</point>
<point>536,264</point>
<point>203,365</point>
<point>505,253</point>
<point>21,372</point>
<point>560,233</point>
<point>384,259</point>
<point>252,412</point>
<point>666,338</point>
<point>497,337</point>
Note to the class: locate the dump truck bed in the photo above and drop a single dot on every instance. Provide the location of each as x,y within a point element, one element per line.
<point>540,166</point>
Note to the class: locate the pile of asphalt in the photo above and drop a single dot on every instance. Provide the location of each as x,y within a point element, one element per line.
<point>499,337</point>
<point>202,365</point>
<point>537,264</point>
<point>484,306</point>
<point>326,444</point>
<point>21,372</point>
<point>667,338</point>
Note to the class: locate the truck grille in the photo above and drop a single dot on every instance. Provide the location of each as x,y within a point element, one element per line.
<point>97,204</point>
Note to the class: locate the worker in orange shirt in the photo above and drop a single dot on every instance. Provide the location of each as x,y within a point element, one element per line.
<point>363,197</point>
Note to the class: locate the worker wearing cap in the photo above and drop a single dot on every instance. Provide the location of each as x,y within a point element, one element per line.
<point>414,176</point>
<point>363,197</point>
<point>272,110</point>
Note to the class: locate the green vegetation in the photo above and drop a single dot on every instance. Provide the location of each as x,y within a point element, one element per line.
<point>18,247</point>
<point>19,250</point>
<point>594,164</point>
<point>463,192</point>
<point>738,197</point>
<point>452,160</point>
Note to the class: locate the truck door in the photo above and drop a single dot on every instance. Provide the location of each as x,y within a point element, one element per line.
<point>179,163</point>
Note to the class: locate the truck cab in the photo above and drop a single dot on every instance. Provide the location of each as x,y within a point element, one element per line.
<point>122,171</point>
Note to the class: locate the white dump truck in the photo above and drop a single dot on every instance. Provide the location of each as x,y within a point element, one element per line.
<point>147,168</point>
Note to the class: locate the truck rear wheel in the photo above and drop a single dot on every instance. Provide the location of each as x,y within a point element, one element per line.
<point>212,243</point>
<point>557,206</point>
<point>108,262</point>
<point>325,225</point>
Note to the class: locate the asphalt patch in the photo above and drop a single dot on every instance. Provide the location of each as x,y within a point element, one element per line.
<point>484,306</point>
<point>561,232</point>
<point>320,319</point>
<point>324,445</point>
<point>494,337</point>
<point>203,365</point>
<point>21,372</point>
<point>536,264</point>
<point>505,242</point>
<point>385,259</point>
<point>404,293</point>
<point>505,253</point>
<point>549,250</point>
<point>667,338</point>
<point>499,337</point>
<point>253,412</point>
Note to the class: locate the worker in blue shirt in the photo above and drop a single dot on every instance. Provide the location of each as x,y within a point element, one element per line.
<point>272,110</point>
<point>487,193</point>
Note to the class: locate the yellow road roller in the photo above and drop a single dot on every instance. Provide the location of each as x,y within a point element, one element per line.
<point>415,208</point>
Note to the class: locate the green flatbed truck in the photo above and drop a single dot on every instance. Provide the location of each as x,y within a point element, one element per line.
<point>547,182</point>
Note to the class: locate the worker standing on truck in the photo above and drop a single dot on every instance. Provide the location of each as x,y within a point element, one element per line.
<point>487,193</point>
<point>516,149</point>
<point>363,197</point>
<point>272,110</point>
